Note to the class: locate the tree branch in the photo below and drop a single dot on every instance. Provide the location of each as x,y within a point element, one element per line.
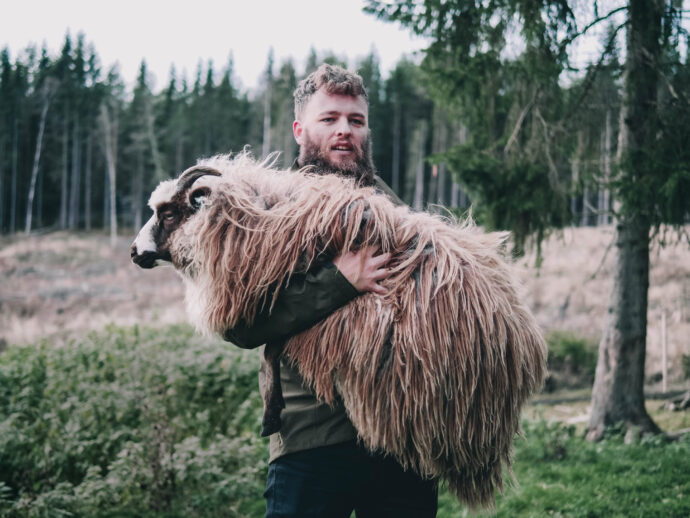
<point>603,259</point>
<point>589,78</point>
<point>678,96</point>
<point>521,119</point>
<point>596,21</point>
<point>553,170</point>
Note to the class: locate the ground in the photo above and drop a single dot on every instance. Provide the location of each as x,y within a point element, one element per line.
<point>59,284</point>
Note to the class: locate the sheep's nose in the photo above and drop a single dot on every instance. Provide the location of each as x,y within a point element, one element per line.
<point>133,251</point>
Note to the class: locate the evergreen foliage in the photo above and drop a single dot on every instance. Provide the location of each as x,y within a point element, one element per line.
<point>156,135</point>
<point>529,147</point>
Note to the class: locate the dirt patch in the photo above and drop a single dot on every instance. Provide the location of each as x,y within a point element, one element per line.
<point>58,285</point>
<point>571,291</point>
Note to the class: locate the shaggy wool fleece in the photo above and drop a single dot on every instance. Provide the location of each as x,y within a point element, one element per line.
<point>435,372</point>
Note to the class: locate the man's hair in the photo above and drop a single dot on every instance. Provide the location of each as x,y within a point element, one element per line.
<point>334,79</point>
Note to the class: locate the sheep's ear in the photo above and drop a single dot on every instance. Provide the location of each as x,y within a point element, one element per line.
<point>197,197</point>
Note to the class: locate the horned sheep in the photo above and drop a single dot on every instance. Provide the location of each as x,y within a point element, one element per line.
<point>433,373</point>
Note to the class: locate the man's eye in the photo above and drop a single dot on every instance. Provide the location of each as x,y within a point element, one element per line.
<point>327,119</point>
<point>357,122</point>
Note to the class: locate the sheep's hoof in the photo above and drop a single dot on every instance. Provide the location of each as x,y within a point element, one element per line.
<point>270,424</point>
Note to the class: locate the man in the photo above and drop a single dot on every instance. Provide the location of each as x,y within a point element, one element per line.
<point>316,466</point>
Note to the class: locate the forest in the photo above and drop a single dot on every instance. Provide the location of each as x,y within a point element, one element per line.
<point>67,119</point>
<point>499,118</point>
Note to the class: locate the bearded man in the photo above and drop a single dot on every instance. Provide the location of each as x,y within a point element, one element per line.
<point>317,468</point>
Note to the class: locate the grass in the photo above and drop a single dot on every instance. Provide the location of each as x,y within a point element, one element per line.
<point>561,474</point>
<point>160,422</point>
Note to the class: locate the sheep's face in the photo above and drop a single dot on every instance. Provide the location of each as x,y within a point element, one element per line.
<point>173,203</point>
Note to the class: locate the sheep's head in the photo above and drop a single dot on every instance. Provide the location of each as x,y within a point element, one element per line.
<point>173,203</point>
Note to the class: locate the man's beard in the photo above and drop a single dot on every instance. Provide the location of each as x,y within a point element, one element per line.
<point>361,167</point>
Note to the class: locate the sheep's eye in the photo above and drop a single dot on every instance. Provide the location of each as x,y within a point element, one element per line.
<point>168,216</point>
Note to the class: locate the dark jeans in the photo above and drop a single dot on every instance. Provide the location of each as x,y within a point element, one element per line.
<point>332,481</point>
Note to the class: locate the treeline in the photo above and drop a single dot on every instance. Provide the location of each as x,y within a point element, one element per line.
<point>69,129</point>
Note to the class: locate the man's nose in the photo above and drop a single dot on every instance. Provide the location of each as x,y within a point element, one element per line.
<point>343,127</point>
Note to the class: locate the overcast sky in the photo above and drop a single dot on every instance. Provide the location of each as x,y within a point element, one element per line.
<point>167,32</point>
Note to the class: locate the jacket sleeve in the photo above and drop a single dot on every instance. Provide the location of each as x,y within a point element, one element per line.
<point>306,300</point>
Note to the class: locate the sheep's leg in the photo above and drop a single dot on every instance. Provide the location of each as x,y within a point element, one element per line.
<point>273,397</point>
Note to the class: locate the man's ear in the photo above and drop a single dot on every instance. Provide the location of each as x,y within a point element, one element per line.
<point>297,130</point>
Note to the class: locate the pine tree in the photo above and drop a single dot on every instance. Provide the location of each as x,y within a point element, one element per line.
<point>466,67</point>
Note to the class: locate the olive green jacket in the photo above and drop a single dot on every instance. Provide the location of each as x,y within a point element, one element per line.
<point>306,422</point>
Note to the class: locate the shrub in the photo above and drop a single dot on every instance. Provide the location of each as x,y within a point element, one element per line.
<point>128,422</point>
<point>571,361</point>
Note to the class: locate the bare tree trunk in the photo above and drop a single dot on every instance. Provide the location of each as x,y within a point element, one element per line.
<point>454,196</point>
<point>34,169</point>
<point>179,153</point>
<point>441,196</point>
<point>153,142</point>
<point>420,138</point>
<point>87,183</point>
<point>584,217</point>
<point>73,219</point>
<point>604,192</point>
<point>2,183</point>
<point>138,191</point>
<point>39,202</point>
<point>395,178</point>
<point>457,196</point>
<point>266,145</point>
<point>617,396</point>
<point>575,177</point>
<point>289,144</point>
<point>106,197</point>
<point>63,182</point>
<point>432,193</point>
<point>13,180</point>
<point>110,136</point>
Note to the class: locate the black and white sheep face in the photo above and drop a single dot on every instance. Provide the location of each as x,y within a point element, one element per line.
<point>151,248</point>
<point>172,204</point>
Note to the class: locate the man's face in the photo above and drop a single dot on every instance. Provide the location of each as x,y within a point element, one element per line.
<point>334,130</point>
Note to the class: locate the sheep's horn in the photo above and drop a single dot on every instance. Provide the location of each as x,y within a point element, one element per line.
<point>192,174</point>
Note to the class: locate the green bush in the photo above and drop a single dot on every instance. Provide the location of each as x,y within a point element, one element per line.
<point>144,422</point>
<point>571,361</point>
<point>128,422</point>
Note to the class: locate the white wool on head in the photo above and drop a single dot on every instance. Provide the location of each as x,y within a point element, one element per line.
<point>163,193</point>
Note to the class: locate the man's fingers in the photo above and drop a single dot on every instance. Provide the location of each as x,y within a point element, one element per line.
<point>379,274</point>
<point>376,261</point>
<point>378,289</point>
<point>380,260</point>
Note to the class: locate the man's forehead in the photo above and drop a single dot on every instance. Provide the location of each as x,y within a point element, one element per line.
<point>323,102</point>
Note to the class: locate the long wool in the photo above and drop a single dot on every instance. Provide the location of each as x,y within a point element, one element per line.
<point>435,371</point>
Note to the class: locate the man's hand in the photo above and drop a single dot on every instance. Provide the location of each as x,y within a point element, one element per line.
<point>363,270</point>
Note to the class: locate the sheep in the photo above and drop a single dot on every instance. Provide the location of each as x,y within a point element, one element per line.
<point>433,373</point>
